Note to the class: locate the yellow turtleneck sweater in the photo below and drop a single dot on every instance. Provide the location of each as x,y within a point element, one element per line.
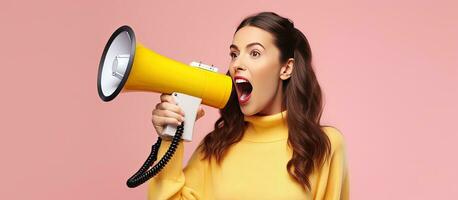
<point>254,168</point>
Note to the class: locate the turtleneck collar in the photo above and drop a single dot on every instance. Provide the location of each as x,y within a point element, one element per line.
<point>266,128</point>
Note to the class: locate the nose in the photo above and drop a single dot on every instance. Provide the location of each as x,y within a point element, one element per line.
<point>237,65</point>
<point>236,69</point>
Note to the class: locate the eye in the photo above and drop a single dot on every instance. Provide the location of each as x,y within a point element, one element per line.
<point>233,55</point>
<point>255,53</point>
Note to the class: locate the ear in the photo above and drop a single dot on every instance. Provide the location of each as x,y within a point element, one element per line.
<point>287,69</point>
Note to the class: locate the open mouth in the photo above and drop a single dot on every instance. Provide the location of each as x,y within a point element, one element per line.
<point>244,89</point>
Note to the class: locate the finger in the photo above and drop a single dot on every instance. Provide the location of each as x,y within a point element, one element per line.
<point>163,121</point>
<point>171,107</point>
<point>167,98</point>
<point>168,113</point>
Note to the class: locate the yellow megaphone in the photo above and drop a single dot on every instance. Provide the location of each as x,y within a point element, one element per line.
<point>129,66</point>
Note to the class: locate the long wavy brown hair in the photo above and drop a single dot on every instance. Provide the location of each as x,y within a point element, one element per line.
<point>302,94</point>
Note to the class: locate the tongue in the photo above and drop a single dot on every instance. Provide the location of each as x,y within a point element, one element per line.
<point>244,96</point>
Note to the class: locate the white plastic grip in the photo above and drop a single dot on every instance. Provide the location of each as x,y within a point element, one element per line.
<point>190,105</point>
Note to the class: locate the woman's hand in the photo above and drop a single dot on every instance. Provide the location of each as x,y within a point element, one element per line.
<point>167,112</point>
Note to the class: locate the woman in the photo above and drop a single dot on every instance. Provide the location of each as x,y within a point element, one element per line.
<point>268,142</point>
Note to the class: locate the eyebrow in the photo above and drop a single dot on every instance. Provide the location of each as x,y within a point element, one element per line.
<point>247,46</point>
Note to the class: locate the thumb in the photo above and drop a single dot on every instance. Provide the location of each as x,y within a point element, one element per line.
<point>200,112</point>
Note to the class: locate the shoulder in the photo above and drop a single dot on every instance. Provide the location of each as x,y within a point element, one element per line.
<point>197,158</point>
<point>336,138</point>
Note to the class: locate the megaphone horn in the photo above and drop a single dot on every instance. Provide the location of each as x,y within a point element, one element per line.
<point>129,66</point>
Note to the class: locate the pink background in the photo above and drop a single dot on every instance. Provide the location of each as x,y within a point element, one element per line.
<point>389,71</point>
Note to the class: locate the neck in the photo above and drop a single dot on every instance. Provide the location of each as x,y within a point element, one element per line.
<point>266,128</point>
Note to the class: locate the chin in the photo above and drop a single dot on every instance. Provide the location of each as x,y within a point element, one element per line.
<point>248,110</point>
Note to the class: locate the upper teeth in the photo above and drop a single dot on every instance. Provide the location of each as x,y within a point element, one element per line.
<point>240,80</point>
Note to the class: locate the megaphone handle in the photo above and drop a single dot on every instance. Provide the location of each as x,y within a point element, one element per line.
<point>189,104</point>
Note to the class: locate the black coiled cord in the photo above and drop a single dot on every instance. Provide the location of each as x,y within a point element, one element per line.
<point>143,174</point>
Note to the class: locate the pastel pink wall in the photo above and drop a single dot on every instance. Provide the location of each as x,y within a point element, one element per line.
<point>389,71</point>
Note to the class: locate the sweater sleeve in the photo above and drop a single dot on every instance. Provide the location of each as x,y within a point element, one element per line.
<point>174,182</point>
<point>334,181</point>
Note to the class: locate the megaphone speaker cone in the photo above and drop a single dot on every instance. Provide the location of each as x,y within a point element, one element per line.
<point>116,63</point>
